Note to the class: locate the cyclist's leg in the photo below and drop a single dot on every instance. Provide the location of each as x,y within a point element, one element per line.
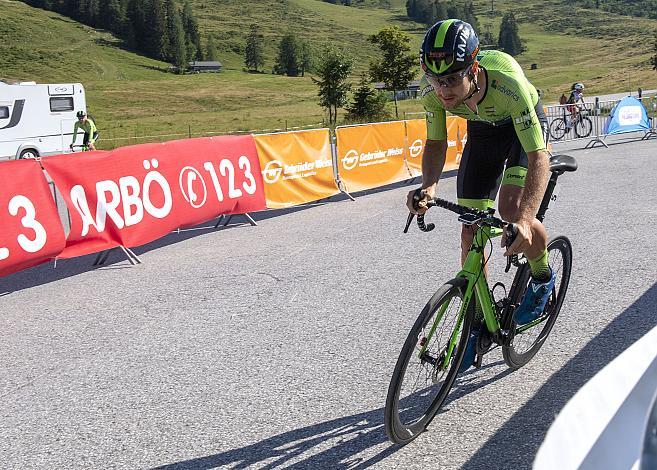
<point>92,141</point>
<point>479,177</point>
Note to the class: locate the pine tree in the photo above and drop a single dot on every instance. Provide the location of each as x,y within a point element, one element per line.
<point>367,104</point>
<point>333,70</point>
<point>439,13</point>
<point>454,10</point>
<point>287,62</point>
<point>137,17</point>
<point>423,10</point>
<point>210,49</point>
<point>509,40</point>
<point>397,67</point>
<point>177,51</point>
<point>253,55</point>
<point>156,38</point>
<point>410,8</point>
<point>305,57</point>
<point>192,35</point>
<point>470,17</point>
<point>89,12</point>
<point>111,16</point>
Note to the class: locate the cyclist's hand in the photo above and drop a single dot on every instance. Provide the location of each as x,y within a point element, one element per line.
<point>418,207</point>
<point>522,241</point>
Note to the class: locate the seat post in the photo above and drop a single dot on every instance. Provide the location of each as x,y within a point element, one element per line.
<point>548,195</point>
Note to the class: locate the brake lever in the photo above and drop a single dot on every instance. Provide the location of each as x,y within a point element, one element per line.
<point>408,221</point>
<point>511,231</point>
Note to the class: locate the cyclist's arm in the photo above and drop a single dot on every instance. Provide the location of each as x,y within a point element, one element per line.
<point>92,131</point>
<point>435,148</point>
<point>538,169</point>
<point>75,131</point>
<point>433,162</point>
<point>529,132</point>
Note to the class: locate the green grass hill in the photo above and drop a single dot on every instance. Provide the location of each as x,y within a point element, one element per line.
<point>133,96</point>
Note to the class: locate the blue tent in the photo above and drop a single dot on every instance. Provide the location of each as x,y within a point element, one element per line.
<point>629,115</point>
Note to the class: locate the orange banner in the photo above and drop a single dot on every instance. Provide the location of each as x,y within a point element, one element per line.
<point>297,167</point>
<point>371,155</point>
<point>416,132</point>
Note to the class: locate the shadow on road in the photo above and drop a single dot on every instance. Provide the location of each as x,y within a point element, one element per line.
<point>347,437</point>
<point>516,443</point>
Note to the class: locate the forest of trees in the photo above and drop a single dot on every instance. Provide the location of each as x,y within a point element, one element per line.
<point>379,3</point>
<point>646,8</point>
<point>432,11</point>
<point>159,29</point>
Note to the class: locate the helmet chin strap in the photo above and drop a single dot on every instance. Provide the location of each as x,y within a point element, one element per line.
<point>473,81</point>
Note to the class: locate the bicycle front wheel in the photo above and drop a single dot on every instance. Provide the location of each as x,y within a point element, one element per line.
<point>584,127</point>
<point>421,380</point>
<point>528,339</point>
<point>558,128</point>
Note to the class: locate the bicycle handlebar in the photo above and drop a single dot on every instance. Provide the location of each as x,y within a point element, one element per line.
<point>468,216</point>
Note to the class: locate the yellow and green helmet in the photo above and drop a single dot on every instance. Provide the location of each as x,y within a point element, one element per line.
<point>449,46</point>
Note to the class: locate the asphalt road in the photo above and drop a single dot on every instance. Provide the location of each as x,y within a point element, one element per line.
<point>273,346</point>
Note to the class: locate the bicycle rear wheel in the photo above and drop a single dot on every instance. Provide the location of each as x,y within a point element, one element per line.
<point>584,127</point>
<point>558,128</point>
<point>528,339</point>
<point>419,385</point>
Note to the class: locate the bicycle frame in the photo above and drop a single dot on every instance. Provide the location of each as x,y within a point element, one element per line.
<point>473,272</point>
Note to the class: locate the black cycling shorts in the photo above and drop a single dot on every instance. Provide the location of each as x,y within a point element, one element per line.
<point>85,139</point>
<point>488,151</point>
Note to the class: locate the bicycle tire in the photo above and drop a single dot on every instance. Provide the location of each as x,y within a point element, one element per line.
<point>557,128</point>
<point>512,354</point>
<point>583,127</point>
<point>401,427</point>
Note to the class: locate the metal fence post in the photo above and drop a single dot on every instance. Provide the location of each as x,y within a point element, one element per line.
<point>597,138</point>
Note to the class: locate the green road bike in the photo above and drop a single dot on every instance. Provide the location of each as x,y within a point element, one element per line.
<point>432,354</point>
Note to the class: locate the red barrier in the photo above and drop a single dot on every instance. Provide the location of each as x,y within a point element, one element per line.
<point>31,231</point>
<point>133,195</point>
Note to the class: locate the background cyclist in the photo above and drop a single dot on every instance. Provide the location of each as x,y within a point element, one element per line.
<point>576,96</point>
<point>89,128</point>
<point>505,148</point>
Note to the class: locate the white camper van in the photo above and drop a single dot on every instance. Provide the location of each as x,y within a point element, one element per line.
<point>37,120</point>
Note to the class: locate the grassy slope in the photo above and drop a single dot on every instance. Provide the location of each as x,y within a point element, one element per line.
<point>131,95</point>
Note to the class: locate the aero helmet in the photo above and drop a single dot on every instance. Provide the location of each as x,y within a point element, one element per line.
<point>449,46</point>
<point>578,86</point>
<point>81,114</point>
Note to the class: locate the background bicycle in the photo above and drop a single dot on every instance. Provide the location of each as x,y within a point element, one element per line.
<point>581,124</point>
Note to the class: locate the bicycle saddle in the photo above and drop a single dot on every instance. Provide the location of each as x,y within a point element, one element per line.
<point>562,163</point>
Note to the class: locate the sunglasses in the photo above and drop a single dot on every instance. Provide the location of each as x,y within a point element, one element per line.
<point>449,81</point>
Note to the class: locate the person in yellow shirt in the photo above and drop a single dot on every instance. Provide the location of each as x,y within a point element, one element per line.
<point>89,128</point>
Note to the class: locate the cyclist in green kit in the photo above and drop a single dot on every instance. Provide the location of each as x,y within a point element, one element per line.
<point>505,148</point>
<point>89,128</point>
